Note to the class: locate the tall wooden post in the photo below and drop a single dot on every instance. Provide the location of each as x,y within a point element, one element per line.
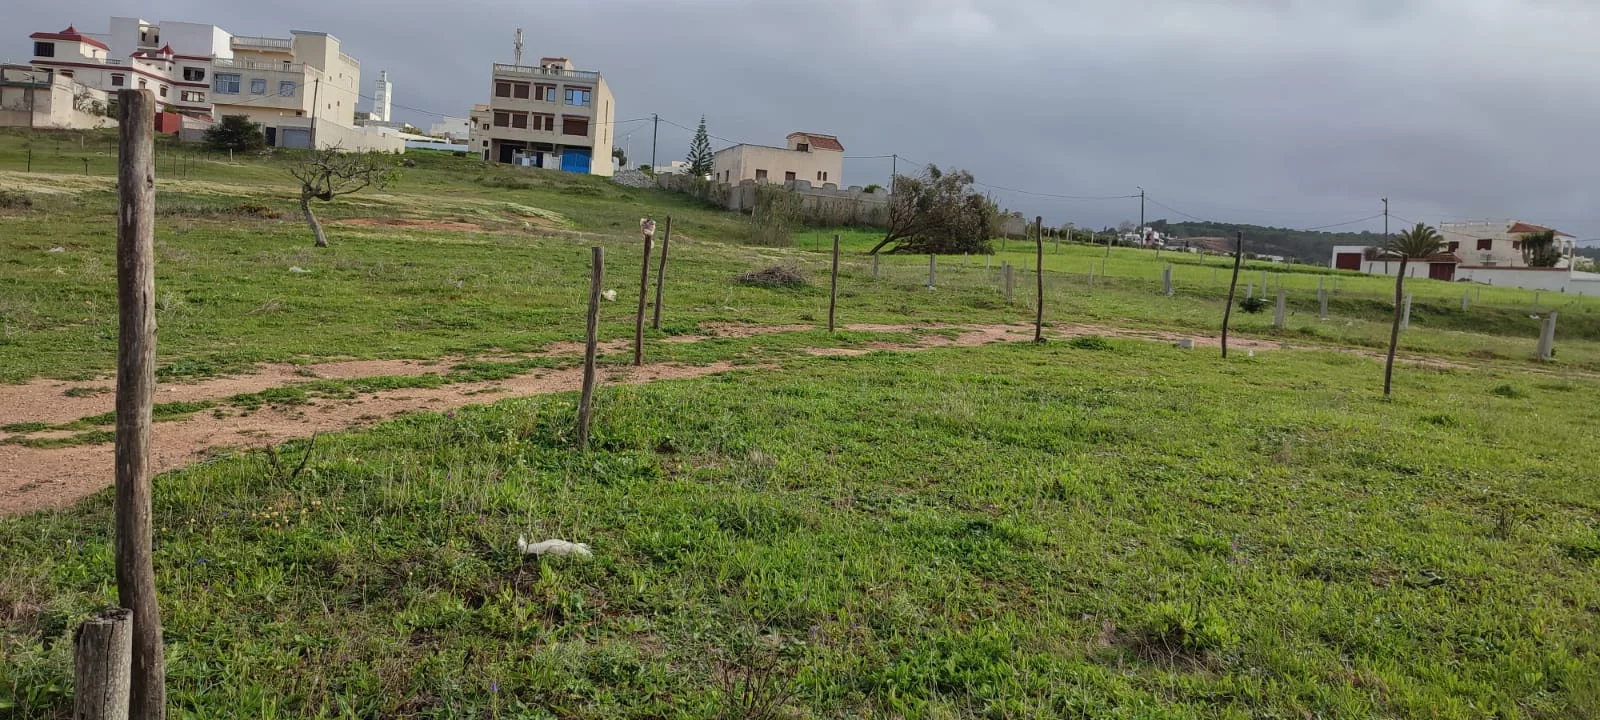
<point>649,228</point>
<point>597,276</point>
<point>661,273</point>
<point>1233,286</point>
<point>833,282</point>
<point>136,386</point>
<point>1038,317</point>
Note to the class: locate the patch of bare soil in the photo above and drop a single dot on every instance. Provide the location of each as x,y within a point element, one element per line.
<point>33,479</point>
<point>412,223</point>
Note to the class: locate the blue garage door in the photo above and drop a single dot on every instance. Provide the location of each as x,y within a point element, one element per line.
<point>575,161</point>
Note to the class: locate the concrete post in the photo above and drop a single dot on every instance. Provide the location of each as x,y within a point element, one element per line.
<point>1547,338</point>
<point>1277,317</point>
<point>1322,302</point>
<point>1166,278</point>
<point>1405,317</point>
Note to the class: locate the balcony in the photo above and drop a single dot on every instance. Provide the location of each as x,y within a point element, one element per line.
<point>536,71</point>
<point>234,64</point>
<point>247,42</point>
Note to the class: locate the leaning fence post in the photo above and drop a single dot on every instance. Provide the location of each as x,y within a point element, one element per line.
<point>102,666</point>
<point>661,272</point>
<point>136,384</point>
<point>597,264</point>
<point>1227,312</point>
<point>833,282</point>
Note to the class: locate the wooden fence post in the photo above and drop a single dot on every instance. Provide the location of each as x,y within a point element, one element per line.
<point>597,265</point>
<point>644,295</point>
<point>1038,318</point>
<point>1227,312</point>
<point>136,384</point>
<point>661,273</point>
<point>102,666</point>
<point>833,282</point>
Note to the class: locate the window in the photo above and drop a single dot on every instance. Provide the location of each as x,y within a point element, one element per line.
<point>1455,245</point>
<point>286,88</point>
<point>141,83</point>
<point>258,86</point>
<point>1516,244</point>
<point>761,174</point>
<point>193,96</point>
<point>802,147</point>
<point>44,49</point>
<point>502,118</point>
<point>574,126</point>
<point>547,93</point>
<point>502,89</point>
<point>546,123</point>
<point>519,91</point>
<point>578,97</point>
<point>66,73</point>
<point>519,120</point>
<point>194,74</point>
<point>1485,243</point>
<point>118,80</point>
<point>788,177</point>
<point>486,143</point>
<point>227,83</point>
<point>163,92</point>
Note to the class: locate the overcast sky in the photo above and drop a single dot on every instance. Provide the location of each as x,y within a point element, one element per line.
<point>1284,112</point>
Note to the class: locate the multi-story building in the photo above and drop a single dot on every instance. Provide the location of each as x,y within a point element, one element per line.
<point>1499,244</point>
<point>549,115</point>
<point>302,90</point>
<point>812,157</point>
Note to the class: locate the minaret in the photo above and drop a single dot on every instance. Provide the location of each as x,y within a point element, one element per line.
<point>382,92</point>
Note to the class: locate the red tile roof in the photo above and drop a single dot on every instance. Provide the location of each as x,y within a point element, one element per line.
<point>1523,228</point>
<point>70,34</point>
<point>819,142</point>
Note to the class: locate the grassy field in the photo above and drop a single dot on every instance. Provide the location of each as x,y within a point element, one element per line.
<point>238,283</point>
<point>1098,529</point>
<point>1089,528</point>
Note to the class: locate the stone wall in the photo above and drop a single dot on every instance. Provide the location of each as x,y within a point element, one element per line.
<point>826,205</point>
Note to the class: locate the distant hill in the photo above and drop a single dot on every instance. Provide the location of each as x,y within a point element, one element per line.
<point>1305,246</point>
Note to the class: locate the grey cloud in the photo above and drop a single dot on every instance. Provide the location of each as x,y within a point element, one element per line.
<point>1293,112</point>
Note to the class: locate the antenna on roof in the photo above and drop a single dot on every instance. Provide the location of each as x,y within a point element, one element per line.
<point>518,61</point>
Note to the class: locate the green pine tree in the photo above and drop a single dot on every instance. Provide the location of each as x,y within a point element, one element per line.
<point>700,151</point>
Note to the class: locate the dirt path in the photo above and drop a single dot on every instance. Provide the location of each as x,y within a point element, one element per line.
<point>36,478</point>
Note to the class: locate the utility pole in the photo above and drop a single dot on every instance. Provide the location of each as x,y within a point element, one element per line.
<point>316,91</point>
<point>894,171</point>
<point>655,128</point>
<point>1386,219</point>
<point>1142,236</point>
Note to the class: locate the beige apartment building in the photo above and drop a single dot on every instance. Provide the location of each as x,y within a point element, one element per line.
<point>1499,243</point>
<point>302,89</point>
<point>812,157</point>
<point>549,115</point>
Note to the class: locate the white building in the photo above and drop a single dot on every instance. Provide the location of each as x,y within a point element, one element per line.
<point>453,128</point>
<point>382,92</point>
<point>813,157</point>
<point>301,90</point>
<point>1482,252</point>
<point>41,98</point>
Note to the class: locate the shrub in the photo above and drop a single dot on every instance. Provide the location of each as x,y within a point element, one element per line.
<point>13,200</point>
<point>775,276</point>
<point>236,132</point>
<point>1089,342</point>
<point>1507,391</point>
<point>1253,304</point>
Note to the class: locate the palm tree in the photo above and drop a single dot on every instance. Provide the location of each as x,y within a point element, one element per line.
<point>1418,242</point>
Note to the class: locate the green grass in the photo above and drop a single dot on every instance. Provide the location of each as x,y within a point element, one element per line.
<point>229,297</point>
<point>1094,529</point>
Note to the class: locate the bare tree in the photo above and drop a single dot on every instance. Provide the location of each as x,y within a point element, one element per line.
<point>328,173</point>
